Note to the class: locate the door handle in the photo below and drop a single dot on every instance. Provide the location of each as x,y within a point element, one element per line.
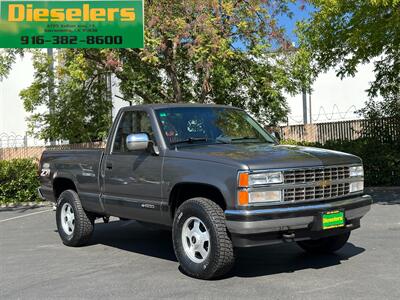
<point>109,166</point>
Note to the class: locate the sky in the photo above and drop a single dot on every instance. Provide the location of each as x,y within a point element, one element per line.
<point>300,12</point>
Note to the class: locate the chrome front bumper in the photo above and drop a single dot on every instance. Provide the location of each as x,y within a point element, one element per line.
<point>281,219</point>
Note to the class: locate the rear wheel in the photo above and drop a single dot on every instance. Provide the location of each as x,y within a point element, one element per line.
<point>74,225</point>
<point>201,242</point>
<point>325,245</point>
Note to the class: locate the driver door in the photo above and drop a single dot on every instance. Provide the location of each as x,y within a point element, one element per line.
<point>132,179</point>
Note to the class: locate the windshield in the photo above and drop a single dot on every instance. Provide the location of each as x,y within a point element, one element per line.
<point>209,125</point>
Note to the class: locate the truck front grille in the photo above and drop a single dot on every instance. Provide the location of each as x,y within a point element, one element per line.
<point>319,183</point>
<point>314,175</point>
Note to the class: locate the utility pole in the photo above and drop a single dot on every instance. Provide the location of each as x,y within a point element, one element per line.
<point>309,106</point>
<point>51,86</point>
<point>304,106</point>
<point>109,95</point>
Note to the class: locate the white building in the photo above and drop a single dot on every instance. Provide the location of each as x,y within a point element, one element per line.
<point>332,99</point>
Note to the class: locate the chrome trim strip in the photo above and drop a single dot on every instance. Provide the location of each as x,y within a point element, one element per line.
<point>301,168</point>
<point>268,225</point>
<point>296,208</point>
<point>301,185</point>
<point>274,225</point>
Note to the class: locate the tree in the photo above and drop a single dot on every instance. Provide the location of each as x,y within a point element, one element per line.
<point>225,52</point>
<point>214,51</point>
<point>344,34</point>
<point>70,103</point>
<point>7,58</point>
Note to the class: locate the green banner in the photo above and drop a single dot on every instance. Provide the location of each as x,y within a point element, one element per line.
<point>71,24</point>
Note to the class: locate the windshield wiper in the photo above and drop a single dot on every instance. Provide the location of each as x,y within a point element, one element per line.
<point>190,140</point>
<point>228,140</point>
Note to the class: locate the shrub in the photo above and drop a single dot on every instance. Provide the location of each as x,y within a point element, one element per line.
<point>18,181</point>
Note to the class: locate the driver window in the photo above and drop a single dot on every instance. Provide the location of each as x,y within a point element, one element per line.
<point>132,122</point>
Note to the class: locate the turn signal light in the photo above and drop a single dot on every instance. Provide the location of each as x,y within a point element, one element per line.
<point>243,180</point>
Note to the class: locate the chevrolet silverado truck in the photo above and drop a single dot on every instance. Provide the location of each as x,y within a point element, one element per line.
<point>215,177</point>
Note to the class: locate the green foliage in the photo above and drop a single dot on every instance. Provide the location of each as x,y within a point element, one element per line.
<point>381,160</point>
<point>7,58</point>
<point>344,34</point>
<point>18,181</point>
<point>224,52</point>
<point>75,95</point>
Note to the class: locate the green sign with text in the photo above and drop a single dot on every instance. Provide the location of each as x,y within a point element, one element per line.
<point>71,24</point>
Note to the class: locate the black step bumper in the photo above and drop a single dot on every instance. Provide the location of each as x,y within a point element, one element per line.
<point>292,222</point>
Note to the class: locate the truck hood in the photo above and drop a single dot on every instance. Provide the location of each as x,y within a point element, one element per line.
<point>265,156</point>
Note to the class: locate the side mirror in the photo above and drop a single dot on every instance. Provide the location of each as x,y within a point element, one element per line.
<point>137,141</point>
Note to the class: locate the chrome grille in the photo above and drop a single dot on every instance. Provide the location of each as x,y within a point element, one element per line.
<point>325,185</point>
<point>319,174</point>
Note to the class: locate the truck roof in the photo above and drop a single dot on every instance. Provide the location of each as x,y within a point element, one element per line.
<point>173,105</point>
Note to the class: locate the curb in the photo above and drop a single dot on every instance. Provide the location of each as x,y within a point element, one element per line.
<point>27,205</point>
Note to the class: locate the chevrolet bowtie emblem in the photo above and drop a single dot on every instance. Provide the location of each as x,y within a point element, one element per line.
<point>325,183</point>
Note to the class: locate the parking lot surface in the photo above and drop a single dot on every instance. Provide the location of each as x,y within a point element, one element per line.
<point>128,260</point>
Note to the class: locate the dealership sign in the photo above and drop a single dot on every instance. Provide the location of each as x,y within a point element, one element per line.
<point>71,24</point>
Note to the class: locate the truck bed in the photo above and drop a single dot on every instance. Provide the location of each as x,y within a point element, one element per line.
<point>82,166</point>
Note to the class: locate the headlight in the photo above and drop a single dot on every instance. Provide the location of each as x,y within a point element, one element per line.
<point>266,196</point>
<point>248,180</point>
<point>252,196</point>
<point>357,171</point>
<point>357,186</point>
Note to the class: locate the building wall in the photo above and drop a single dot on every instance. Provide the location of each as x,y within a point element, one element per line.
<point>12,113</point>
<point>334,99</point>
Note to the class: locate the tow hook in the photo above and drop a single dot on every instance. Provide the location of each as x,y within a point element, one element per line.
<point>288,237</point>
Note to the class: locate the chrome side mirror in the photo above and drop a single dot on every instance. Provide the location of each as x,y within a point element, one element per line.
<point>137,141</point>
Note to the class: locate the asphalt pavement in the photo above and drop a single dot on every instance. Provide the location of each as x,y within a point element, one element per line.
<point>128,260</point>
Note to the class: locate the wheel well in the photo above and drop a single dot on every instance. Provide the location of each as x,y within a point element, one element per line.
<point>62,184</point>
<point>184,191</point>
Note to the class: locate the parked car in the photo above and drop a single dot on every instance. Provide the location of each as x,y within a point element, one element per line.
<point>215,177</point>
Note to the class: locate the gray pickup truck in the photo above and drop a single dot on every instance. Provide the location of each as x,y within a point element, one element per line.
<point>214,176</point>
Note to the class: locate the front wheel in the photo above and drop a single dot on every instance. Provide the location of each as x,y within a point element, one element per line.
<point>201,242</point>
<point>75,227</point>
<point>325,245</point>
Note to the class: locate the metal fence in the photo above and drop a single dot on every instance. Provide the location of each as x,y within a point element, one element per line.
<point>343,130</point>
<point>36,151</point>
<point>12,140</point>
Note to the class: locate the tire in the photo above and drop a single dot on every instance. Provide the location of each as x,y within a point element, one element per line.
<point>325,245</point>
<point>201,242</point>
<point>79,228</point>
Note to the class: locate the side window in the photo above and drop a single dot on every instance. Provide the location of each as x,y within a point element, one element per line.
<point>132,122</point>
